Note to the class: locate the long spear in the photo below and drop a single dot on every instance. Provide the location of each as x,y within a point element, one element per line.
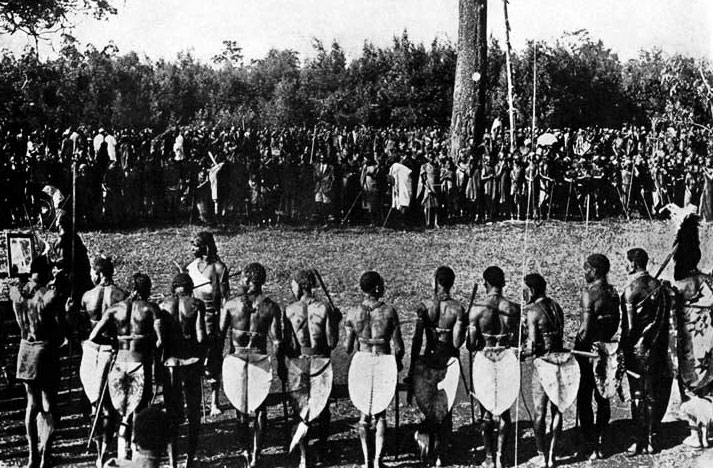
<point>508,64</point>
<point>534,97</point>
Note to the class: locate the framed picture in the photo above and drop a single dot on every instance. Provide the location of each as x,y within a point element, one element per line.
<point>4,266</point>
<point>20,251</point>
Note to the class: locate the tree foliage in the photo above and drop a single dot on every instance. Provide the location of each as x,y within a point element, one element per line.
<point>39,17</point>
<point>579,82</point>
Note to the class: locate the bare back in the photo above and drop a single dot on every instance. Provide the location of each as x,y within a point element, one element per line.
<point>38,315</point>
<point>250,319</point>
<point>309,326</point>
<point>374,327</point>
<point>442,322</point>
<point>493,322</point>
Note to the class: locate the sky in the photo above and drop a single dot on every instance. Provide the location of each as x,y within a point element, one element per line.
<point>162,28</point>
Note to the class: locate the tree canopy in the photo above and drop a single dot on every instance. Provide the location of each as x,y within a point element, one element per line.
<point>580,82</point>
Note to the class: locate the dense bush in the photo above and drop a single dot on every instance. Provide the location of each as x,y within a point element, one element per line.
<point>580,82</point>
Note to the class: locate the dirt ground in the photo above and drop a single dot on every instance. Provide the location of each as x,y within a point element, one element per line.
<point>407,260</point>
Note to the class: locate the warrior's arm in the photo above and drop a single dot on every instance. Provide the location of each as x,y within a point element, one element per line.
<point>417,341</point>
<point>397,341</point>
<point>459,328</point>
<point>333,318</point>
<point>349,336</point>
<point>224,321</point>
<point>200,323</point>
<point>628,313</point>
<point>157,328</point>
<point>224,285</point>
<point>474,337</point>
<point>531,332</point>
<point>276,326</point>
<point>102,324</point>
<point>585,322</point>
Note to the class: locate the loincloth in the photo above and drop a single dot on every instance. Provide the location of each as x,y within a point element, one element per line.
<point>38,361</point>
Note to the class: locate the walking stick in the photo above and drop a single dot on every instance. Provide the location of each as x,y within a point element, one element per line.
<point>569,198</point>
<point>351,208</point>
<point>646,205</point>
<point>552,192</point>
<point>100,403</point>
<point>470,362</point>
<point>387,216</point>
<point>203,398</point>
<point>621,200</point>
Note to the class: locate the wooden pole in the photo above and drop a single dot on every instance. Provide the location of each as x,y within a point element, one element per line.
<point>508,64</point>
<point>534,96</point>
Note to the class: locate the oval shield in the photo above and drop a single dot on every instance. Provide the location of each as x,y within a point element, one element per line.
<point>372,381</point>
<point>126,386</point>
<point>94,368</point>
<point>246,380</point>
<point>496,381</point>
<point>435,383</point>
<point>560,375</point>
<point>309,381</point>
<point>608,368</point>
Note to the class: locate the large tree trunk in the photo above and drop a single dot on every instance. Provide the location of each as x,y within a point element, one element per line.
<point>468,118</point>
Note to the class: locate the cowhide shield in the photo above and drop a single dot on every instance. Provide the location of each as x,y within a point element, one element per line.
<point>608,367</point>
<point>693,333</point>
<point>246,380</point>
<point>309,381</point>
<point>126,386</point>
<point>496,378</point>
<point>435,383</point>
<point>560,375</point>
<point>93,369</point>
<point>372,381</point>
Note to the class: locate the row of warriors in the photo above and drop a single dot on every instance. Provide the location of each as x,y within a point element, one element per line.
<point>129,341</point>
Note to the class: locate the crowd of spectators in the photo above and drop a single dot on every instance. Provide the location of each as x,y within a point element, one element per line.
<point>329,174</point>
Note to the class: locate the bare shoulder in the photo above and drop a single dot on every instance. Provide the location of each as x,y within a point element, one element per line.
<point>220,267</point>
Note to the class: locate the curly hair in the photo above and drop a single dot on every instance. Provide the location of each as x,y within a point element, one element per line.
<point>182,280</point>
<point>445,276</point>
<point>305,279</point>
<point>142,284</point>
<point>104,266</point>
<point>372,283</point>
<point>255,273</point>
<point>205,239</point>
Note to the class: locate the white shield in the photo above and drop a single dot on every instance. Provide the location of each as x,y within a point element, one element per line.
<point>372,381</point>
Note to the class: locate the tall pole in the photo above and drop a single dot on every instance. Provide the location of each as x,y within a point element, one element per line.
<point>468,114</point>
<point>508,64</point>
<point>534,94</point>
<point>74,224</point>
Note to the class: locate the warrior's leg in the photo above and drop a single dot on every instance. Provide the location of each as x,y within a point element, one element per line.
<point>214,366</point>
<point>603,416</point>
<point>503,429</point>
<point>637,415</point>
<point>324,427</point>
<point>487,428</point>
<point>584,402</point>
<point>442,437</point>
<point>31,411</point>
<point>655,396</point>
<point>379,437</point>
<point>46,421</point>
<point>192,388</point>
<point>556,432</point>
<point>364,436</point>
<point>258,428</point>
<point>124,439</point>
<point>539,424</point>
